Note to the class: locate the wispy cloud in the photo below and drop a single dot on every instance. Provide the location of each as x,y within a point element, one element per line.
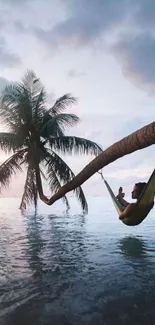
<point>88,22</point>
<point>125,28</point>
<point>7,58</point>
<point>137,56</point>
<point>73,73</point>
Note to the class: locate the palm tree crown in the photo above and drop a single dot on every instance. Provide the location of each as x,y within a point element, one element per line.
<point>36,136</point>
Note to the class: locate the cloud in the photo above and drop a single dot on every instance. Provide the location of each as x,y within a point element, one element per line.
<point>7,58</point>
<point>88,23</point>
<point>14,2</point>
<point>88,20</point>
<point>137,56</point>
<point>145,13</point>
<point>73,73</point>
<point>107,130</point>
<point>19,27</point>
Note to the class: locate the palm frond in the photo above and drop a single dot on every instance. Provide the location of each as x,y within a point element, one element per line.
<point>64,198</point>
<point>54,182</point>
<point>16,104</point>
<point>58,122</point>
<point>37,94</point>
<point>74,145</point>
<point>10,167</point>
<point>39,111</point>
<point>43,175</point>
<point>61,104</point>
<point>45,128</point>
<point>11,94</point>
<point>56,125</point>
<point>30,189</point>
<point>51,178</point>
<point>23,102</point>
<point>9,141</point>
<point>64,174</point>
<point>8,105</point>
<point>28,80</point>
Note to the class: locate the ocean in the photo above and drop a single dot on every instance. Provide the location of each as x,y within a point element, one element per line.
<point>68,269</point>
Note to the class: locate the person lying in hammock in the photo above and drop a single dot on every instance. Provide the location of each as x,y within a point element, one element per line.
<point>135,194</point>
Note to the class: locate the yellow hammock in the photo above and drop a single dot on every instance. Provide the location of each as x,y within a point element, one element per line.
<point>143,206</point>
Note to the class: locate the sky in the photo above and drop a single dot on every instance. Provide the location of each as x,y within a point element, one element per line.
<point>100,51</point>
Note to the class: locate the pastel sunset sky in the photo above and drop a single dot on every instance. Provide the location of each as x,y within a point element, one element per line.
<point>100,51</point>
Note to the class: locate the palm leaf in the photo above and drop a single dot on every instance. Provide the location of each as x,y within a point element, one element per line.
<point>9,141</point>
<point>43,175</point>
<point>39,111</point>
<point>64,174</point>
<point>11,95</point>
<point>47,125</point>
<point>16,104</point>
<point>23,102</point>
<point>58,122</point>
<point>30,81</point>
<point>30,189</point>
<point>10,167</point>
<point>9,105</point>
<point>61,104</point>
<point>51,177</point>
<point>74,145</point>
<point>37,94</point>
<point>54,182</point>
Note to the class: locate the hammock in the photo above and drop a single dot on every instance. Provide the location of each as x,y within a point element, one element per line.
<point>143,206</point>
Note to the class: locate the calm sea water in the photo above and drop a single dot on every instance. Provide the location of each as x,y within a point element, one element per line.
<point>58,268</point>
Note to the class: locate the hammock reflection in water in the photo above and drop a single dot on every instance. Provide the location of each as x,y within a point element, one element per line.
<point>133,247</point>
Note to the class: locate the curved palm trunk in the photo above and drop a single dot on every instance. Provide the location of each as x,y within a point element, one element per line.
<point>138,140</point>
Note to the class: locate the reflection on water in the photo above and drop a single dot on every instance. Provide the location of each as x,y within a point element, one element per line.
<point>35,245</point>
<point>133,247</point>
<point>70,269</point>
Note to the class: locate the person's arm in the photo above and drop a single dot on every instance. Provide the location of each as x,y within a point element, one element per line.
<point>122,201</point>
<point>120,197</point>
<point>127,211</point>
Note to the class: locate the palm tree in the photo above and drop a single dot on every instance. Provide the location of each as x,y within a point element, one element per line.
<point>136,141</point>
<point>36,136</point>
